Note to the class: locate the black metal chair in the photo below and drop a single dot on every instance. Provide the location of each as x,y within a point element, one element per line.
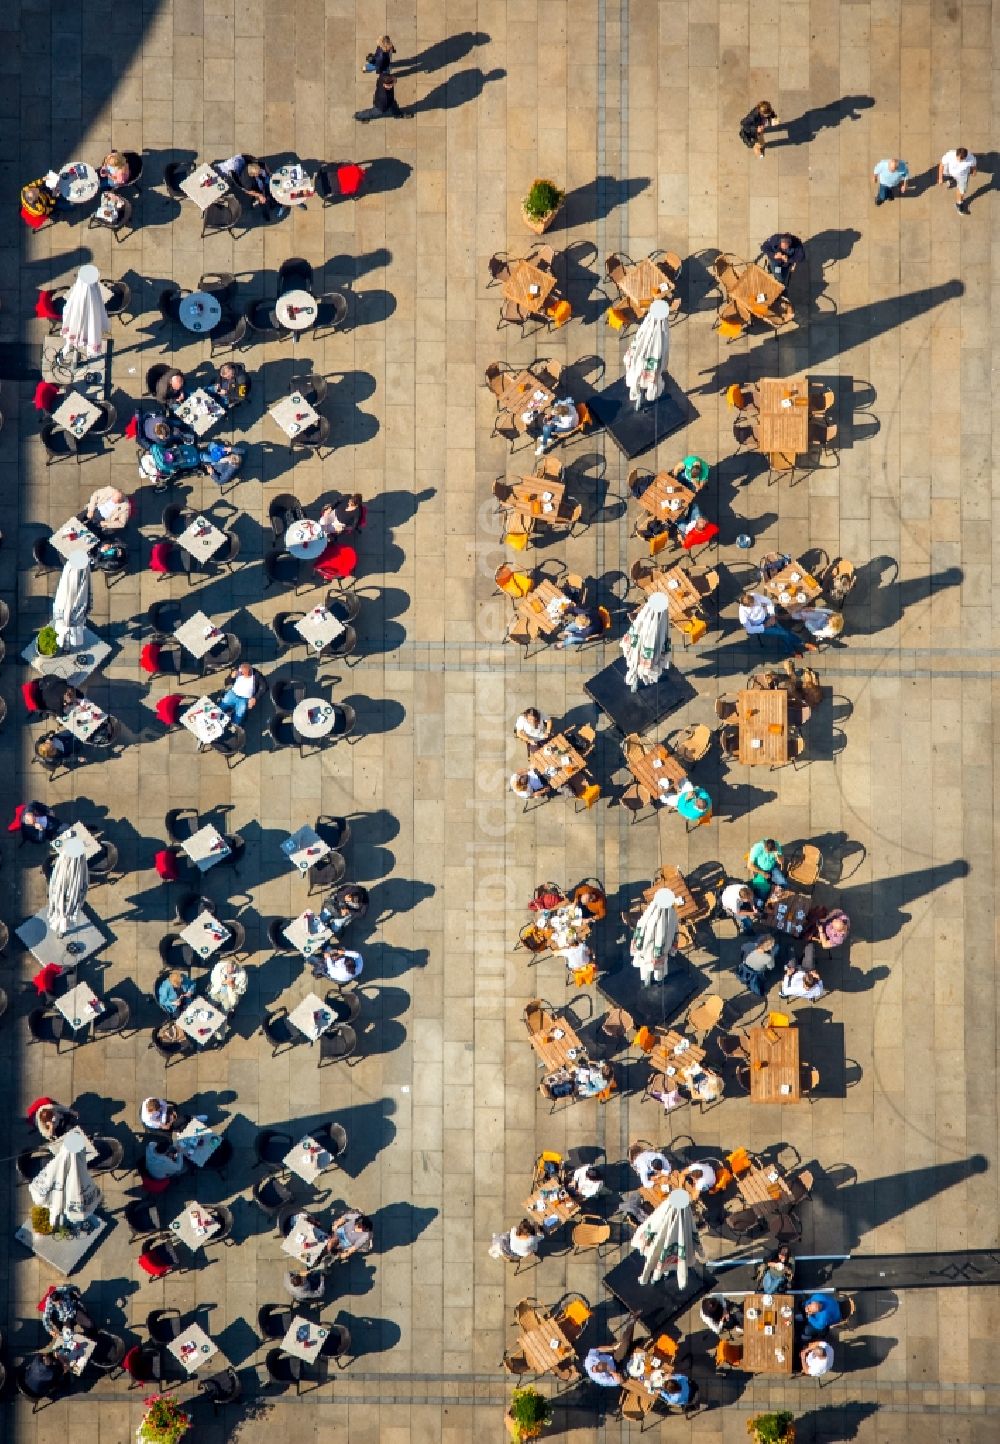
<point>116,223</point>
<point>333,1137</point>
<point>222,215</point>
<point>176,519</point>
<point>220,284</point>
<point>278,1031</point>
<point>30,1162</point>
<point>229,333</point>
<point>222,1388</point>
<point>220,1158</point>
<point>173,173</point>
<point>143,1218</point>
<point>337,1344</point>
<point>326,873</point>
<point>226,653</point>
<point>109,1353</point>
<point>274,1320</point>
<point>280,732</point>
<point>119,303</point>
<point>45,557</point>
<point>109,1156</point>
<point>262,322</point>
<point>169,306</point>
<point>275,935</point>
<point>331,312</point>
<point>230,746</point>
<point>286,695</point>
<point>281,1369</point>
<point>313,438</point>
<point>312,388</point>
<point>270,1146</point>
<point>280,568</point>
<point>58,444</point>
<point>181,823</point>
<point>282,511</point>
<point>295,274</point>
<point>271,1195</point>
<point>114,1020</point>
<point>163,1326</point>
<point>338,1045</point>
<point>46,1027</point>
<point>284,631</point>
<point>225,1220</point>
<point>171,1052</point>
<point>40,1398</point>
<point>335,831</point>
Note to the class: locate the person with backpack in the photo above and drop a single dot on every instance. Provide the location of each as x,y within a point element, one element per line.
<point>759,957</point>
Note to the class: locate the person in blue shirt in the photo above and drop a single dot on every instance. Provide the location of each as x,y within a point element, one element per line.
<point>600,1368</point>
<point>890,176</point>
<point>677,1391</point>
<point>822,1311</point>
<point>174,992</point>
<point>582,626</point>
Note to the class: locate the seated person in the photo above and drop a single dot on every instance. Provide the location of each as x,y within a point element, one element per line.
<point>171,388</point>
<point>163,1160</point>
<point>108,556</point>
<point>305,1288</point>
<point>775,1272</point>
<point>352,1233</point>
<point>53,1120</point>
<point>600,1368</point>
<point>39,199</point>
<point>55,746</point>
<point>108,509</point>
<point>254,178</point>
<point>533,728</point>
<point>591,901</point>
<point>757,618</point>
<point>174,992</point>
<point>174,458</point>
<point>155,426</point>
<point>702,1176</point>
<point>527,783</point>
<point>45,1372</point>
<point>159,1114</point>
<point>648,1163</point>
<point>227,984</point>
<point>692,470</point>
<point>822,623</point>
<point>757,957</point>
<point>340,518</point>
<point>584,1183</point>
<point>114,171</point>
<point>832,928</point>
<point>220,460</point>
<point>57,696</point>
<point>560,418</point>
<point>801,979</point>
<point>692,803</point>
<point>347,905</point>
<point>64,1310</point>
<point>817,1359</point>
<point>821,1312</point>
<point>231,386</point>
<point>765,861</point>
<point>590,1079</point>
<point>337,963</point>
<point>582,626</point>
<point>737,902</point>
<point>37,823</point>
<point>783,252</point>
<point>575,955</point>
<point>240,697</point>
<point>524,1239</point>
<point>676,1392</point>
<point>719,1315</point>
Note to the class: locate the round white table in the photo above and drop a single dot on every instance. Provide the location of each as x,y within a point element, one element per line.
<point>313,717</point>
<point>305,539</point>
<point>78,182</point>
<point>200,311</point>
<point>296,310</point>
<point>290,186</point>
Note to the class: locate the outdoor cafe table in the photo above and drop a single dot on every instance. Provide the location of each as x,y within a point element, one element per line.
<point>201,1020</point>
<point>524,395</point>
<point>206,721</point>
<point>76,839</point>
<point>673,878</point>
<point>199,634</point>
<point>74,666</point>
<point>199,410</point>
<point>657,770</point>
<point>199,312</point>
<point>672,1051</point>
<point>76,414</point>
<point>557,760</point>
<point>793,587</point>
<point>529,287</point>
<point>304,1339</point>
<point>204,186</point>
<point>675,584</point>
<point>304,848</point>
<point>319,627</point>
<point>197,1142</point>
<point>205,935</point>
<point>550,1208</point>
<point>555,1052</point>
<point>201,538</point>
<point>643,283</point>
<point>307,933</point>
<point>195,1226</point>
<point>751,285</point>
<point>762,719</point>
<point>308,1159</point>
<point>206,847</point>
<point>293,414</point>
<point>304,1241</point>
<point>192,1348</point>
<point>80,1006</point>
<point>545,1345</point>
<point>312,1017</point>
<point>780,427</point>
<point>774,1065</point>
<point>667,497</point>
<point>314,717</point>
<point>770,1352</point>
<point>296,310</point>
<point>764,1188</point>
<point>83,719</point>
<point>786,912</point>
<point>74,1352</point>
<point>543,608</point>
<point>538,498</point>
<point>72,537</point>
<point>290,184</point>
<point>662,1185</point>
<point>305,539</point>
<point>78,182</point>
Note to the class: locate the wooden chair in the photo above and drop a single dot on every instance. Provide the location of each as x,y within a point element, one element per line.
<point>526,1313</point>
<point>779,464</point>
<point>615,267</point>
<point>542,257</point>
<point>778,315</point>
<point>726,707</point>
<point>745,433</point>
<point>723,268</point>
<point>641,571</point>
<point>635,799</point>
<point>495,373</point>
<point>620,316</point>
<point>821,434</point>
<point>586,791</point>
<point>848,1312</point>
<point>705,583</point>
<point>705,1015</point>
<point>796,747</point>
<point>635,1402</point>
<point>590,1232</point>
<point>500,268</point>
<point>573,1318</point>
<point>691,745</point>
<point>534,1015</point>
<point>511,314</point>
<point>729,742</point>
<point>728,322</point>
<point>515,1362</point>
<point>548,373</point>
<point>728,1355</point>
<point>585,737</point>
<point>617,1024</point>
<point>809,1081</point>
<point>820,400</point>
<point>740,1161</point>
<point>805,869</point>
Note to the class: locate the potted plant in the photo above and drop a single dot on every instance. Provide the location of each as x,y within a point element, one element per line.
<point>528,1415</point>
<point>47,642</point>
<point>777,1428</point>
<point>164,1421</point>
<point>541,205</point>
<point>40,1222</point>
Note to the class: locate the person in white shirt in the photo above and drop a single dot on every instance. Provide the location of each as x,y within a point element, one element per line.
<point>340,964</point>
<point>801,979</point>
<point>585,1183</point>
<point>227,984</point>
<point>757,619</point>
<point>702,1175</point>
<point>527,783</point>
<point>958,166</point>
<point>533,728</point>
<point>158,1113</point>
<point>737,903</point>
<point>241,694</point>
<point>648,1162</point>
<point>817,1359</point>
<point>577,955</point>
<point>108,508</point>
<point>524,1239</point>
<point>563,417</point>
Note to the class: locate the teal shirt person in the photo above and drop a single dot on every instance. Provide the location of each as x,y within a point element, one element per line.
<point>687,808</point>
<point>694,469</point>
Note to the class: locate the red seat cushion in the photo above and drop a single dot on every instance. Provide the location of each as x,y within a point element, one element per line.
<point>35,223</point>
<point>31,695</point>
<point>149,1265</point>
<point>34,1107</point>
<point>168,709</point>
<point>149,658</point>
<point>154,1185</point>
<point>349,178</point>
<point>44,981</point>
<point>699,535</point>
<point>338,561</point>
<point>46,396</point>
<point>132,429</point>
<point>165,863</point>
<point>15,826</point>
<point>159,560</point>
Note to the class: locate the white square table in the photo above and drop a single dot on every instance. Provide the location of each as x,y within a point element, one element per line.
<point>312,1017</point>
<point>294,414</point>
<point>304,1242</point>
<point>194,1226</point>
<point>73,667</point>
<point>75,1352</point>
<point>202,538</point>
<point>307,933</point>
<point>75,841</point>
<point>83,719</point>
<point>204,186</point>
<point>199,634</point>
<point>192,1348</point>
<point>200,410</point>
<point>80,1006</point>
<point>205,935</point>
<point>319,627</point>
<point>80,941</point>
<point>76,414</point>
<point>206,721</point>
<point>73,536</point>
<point>304,1339</point>
<point>304,848</point>
<point>201,1020</point>
<point>206,847</point>
<point>197,1142</point>
<point>305,1162</point>
<point>63,1254</point>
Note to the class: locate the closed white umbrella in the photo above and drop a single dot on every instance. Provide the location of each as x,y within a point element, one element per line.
<point>67,891</point>
<point>666,1239</point>
<point>85,319</point>
<point>646,358</point>
<point>72,601</point>
<point>646,644</point>
<point>65,1186</point>
<point>655,936</point>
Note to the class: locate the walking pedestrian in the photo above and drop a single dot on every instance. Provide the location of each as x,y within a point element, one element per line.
<point>890,176</point>
<point>753,126</point>
<point>957,167</point>
<point>384,100</point>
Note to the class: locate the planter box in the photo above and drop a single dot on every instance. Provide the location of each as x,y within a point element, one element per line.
<point>542,225</point>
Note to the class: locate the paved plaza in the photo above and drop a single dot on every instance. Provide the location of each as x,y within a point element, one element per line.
<point>633,107</point>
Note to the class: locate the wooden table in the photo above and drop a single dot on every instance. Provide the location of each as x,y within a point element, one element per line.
<point>531,495</point>
<point>675,584</point>
<point>793,587</point>
<point>783,428</point>
<point>551,1209</point>
<point>565,927</point>
<point>657,766</point>
<point>673,878</point>
<point>769,1353</point>
<point>681,1066</point>
<point>534,611</point>
<point>666,497</point>
<point>545,1345</point>
<point>643,283</point>
<point>751,283</point>
<point>557,760</point>
<point>662,1185</point>
<point>762,717</point>
<point>786,912</point>
<point>521,393</point>
<point>554,1053</point>
<point>517,287</point>
<point>774,1065</point>
<point>764,1188</point>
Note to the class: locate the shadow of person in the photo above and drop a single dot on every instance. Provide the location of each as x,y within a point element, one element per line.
<point>397,1225</point>
<point>876,909</point>
<point>458,89</point>
<point>988,166</point>
<point>807,126</point>
<point>442,53</point>
<point>873,606</point>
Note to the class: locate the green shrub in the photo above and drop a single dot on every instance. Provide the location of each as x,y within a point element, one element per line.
<point>543,198</point>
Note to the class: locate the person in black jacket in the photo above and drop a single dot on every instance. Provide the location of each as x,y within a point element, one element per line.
<point>753,126</point>
<point>783,252</point>
<point>384,100</point>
